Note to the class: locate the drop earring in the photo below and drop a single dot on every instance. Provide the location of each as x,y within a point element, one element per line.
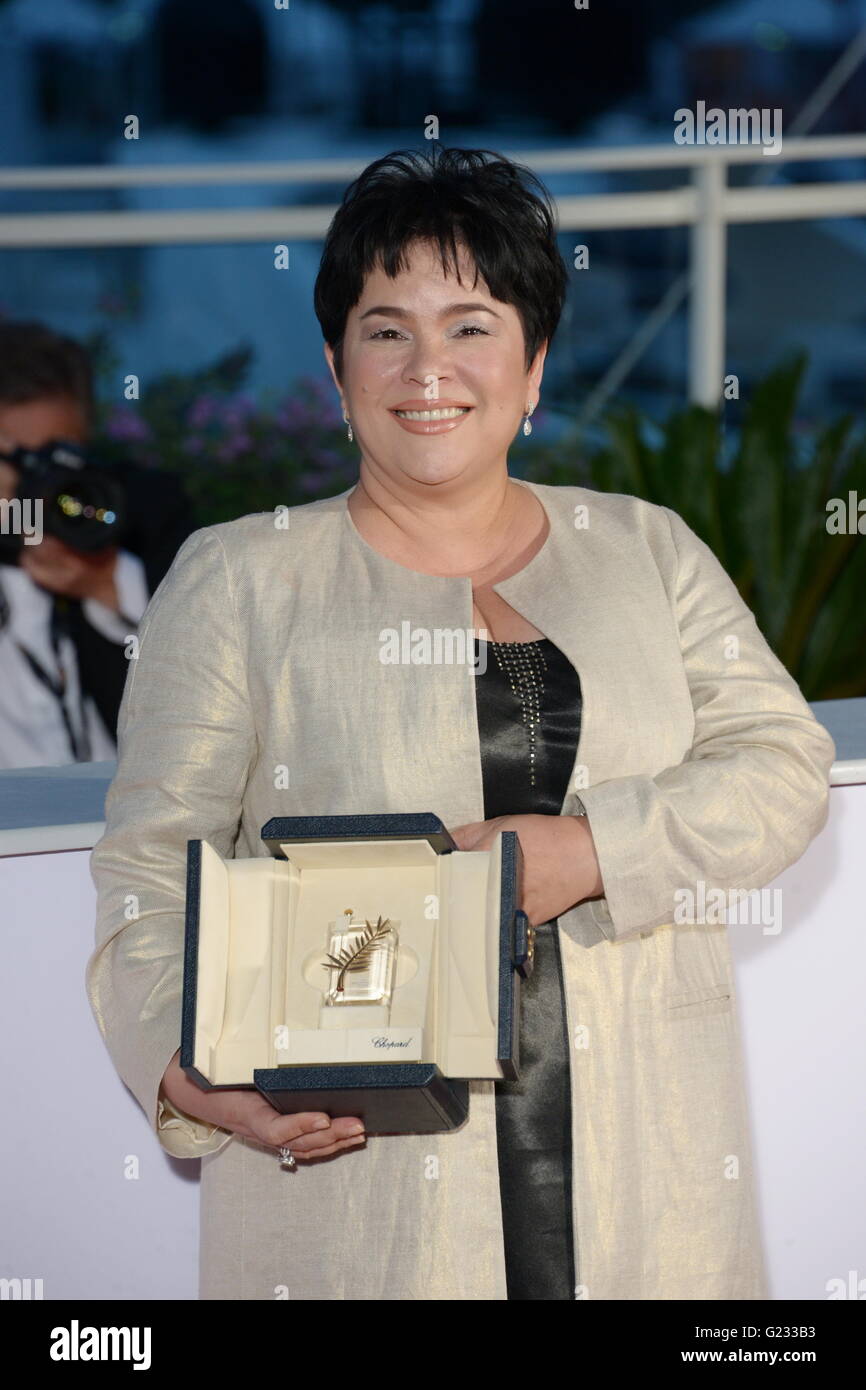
<point>527,424</point>
<point>346,418</point>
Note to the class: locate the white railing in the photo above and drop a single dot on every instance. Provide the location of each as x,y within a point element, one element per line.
<point>706,204</point>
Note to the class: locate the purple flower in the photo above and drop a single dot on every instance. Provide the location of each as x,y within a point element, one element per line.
<point>231,417</point>
<point>201,412</point>
<point>127,426</point>
<point>290,415</point>
<point>238,443</point>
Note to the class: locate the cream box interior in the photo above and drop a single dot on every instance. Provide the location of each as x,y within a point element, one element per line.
<point>263,936</point>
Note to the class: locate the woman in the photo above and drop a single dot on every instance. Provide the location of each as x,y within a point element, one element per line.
<point>619,1166</point>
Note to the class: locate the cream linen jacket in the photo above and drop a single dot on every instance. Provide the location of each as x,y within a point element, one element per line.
<point>699,762</point>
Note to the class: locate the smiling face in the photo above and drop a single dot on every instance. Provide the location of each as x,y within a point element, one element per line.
<point>425,344</point>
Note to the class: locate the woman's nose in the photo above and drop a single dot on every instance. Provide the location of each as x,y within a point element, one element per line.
<point>428,362</point>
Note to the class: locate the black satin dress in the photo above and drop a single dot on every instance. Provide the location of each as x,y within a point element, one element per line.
<point>533,1115</point>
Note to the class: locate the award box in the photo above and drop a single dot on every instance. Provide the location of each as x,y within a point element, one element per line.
<point>366,967</point>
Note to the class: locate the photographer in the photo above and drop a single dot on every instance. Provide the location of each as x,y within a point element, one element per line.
<point>70,600</point>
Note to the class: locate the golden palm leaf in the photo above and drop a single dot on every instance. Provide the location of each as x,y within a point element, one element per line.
<point>357,955</point>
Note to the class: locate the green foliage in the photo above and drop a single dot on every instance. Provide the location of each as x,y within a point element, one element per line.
<point>762,503</point>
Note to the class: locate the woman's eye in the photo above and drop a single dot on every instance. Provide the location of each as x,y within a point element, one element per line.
<point>381,331</point>
<point>472,328</point>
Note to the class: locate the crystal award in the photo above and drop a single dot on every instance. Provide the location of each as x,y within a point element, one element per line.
<point>360,961</point>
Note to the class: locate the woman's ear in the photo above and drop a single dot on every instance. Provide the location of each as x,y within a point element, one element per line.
<point>329,358</point>
<point>536,372</point>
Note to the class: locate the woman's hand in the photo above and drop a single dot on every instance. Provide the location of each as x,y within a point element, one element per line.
<point>560,868</point>
<point>249,1114</point>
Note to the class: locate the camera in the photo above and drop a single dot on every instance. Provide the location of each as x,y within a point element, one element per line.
<point>82,504</point>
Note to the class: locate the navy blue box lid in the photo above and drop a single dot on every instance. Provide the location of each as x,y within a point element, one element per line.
<point>421,825</point>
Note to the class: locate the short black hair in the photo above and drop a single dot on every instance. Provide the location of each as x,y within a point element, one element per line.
<point>498,210</point>
<point>37,364</point>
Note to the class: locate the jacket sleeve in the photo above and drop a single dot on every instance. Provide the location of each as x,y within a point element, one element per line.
<point>186,741</point>
<point>754,788</point>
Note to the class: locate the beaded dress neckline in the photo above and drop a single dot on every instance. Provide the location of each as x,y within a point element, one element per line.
<point>523,665</point>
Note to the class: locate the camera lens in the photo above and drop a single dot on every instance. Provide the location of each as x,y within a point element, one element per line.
<point>84,510</point>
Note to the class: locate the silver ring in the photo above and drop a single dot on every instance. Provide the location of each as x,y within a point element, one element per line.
<point>287,1158</point>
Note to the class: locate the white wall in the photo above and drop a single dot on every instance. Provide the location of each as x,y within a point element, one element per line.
<point>68,1215</point>
<point>801,1011</point>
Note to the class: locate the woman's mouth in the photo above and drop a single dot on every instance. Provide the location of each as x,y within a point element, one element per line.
<point>436,420</point>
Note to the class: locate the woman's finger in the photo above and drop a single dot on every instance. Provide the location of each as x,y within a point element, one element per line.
<point>315,1154</point>
<point>337,1132</point>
